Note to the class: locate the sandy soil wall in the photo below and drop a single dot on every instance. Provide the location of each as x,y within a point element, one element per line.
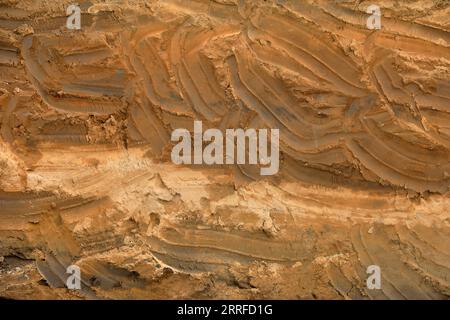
<point>86,176</point>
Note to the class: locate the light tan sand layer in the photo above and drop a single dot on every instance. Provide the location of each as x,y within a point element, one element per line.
<point>86,176</point>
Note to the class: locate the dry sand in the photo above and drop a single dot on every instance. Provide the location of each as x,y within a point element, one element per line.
<point>85,171</point>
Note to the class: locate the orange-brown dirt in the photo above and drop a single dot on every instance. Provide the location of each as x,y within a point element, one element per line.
<point>86,177</point>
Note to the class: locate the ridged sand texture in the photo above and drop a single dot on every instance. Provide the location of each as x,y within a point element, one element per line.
<point>86,176</point>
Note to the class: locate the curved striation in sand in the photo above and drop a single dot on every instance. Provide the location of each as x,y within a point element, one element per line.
<point>85,171</point>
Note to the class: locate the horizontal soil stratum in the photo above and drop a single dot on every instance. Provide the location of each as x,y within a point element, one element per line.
<point>86,178</point>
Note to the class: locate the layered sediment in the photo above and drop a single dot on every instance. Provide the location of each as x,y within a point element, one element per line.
<point>86,177</point>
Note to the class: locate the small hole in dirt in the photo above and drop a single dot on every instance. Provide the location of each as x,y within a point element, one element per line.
<point>43,282</point>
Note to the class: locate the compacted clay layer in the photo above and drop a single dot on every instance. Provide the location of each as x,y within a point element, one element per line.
<point>86,176</point>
